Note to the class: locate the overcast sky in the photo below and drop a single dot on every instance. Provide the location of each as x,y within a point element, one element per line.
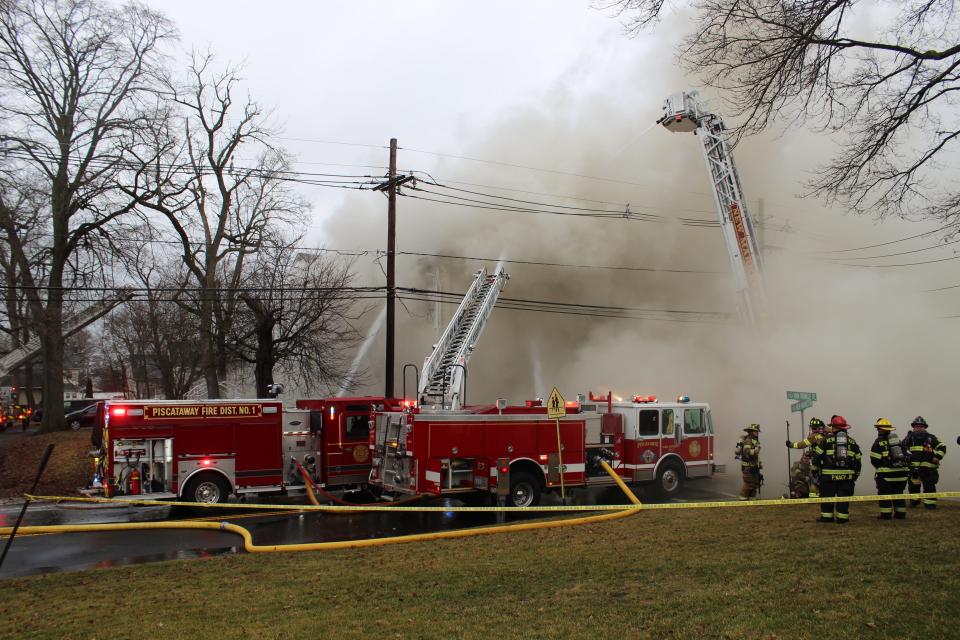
<point>427,73</point>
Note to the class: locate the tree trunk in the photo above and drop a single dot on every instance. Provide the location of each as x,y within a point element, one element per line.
<point>51,337</point>
<point>263,368</point>
<point>208,335</point>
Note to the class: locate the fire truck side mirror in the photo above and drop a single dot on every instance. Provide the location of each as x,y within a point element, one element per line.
<point>503,476</point>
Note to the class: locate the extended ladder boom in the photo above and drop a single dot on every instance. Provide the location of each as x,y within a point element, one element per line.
<point>71,325</point>
<point>684,113</point>
<point>443,370</point>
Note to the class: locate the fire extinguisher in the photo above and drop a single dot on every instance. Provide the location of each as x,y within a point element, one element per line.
<point>134,482</point>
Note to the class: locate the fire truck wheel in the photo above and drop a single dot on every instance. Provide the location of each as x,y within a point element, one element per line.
<point>524,490</point>
<point>670,479</point>
<point>207,488</point>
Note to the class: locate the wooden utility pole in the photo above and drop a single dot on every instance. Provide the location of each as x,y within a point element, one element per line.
<point>391,259</point>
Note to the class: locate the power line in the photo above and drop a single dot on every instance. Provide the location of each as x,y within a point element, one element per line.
<point>547,303</point>
<point>558,264</point>
<point>884,244</point>
<point>901,253</point>
<point>905,264</point>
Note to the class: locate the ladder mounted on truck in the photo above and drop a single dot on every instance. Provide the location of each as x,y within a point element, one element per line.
<point>684,113</point>
<point>71,325</point>
<point>443,370</point>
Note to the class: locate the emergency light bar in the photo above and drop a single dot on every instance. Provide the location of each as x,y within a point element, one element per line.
<point>683,399</point>
<point>644,399</point>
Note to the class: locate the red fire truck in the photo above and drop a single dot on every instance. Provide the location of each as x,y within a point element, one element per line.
<point>520,453</point>
<point>204,451</point>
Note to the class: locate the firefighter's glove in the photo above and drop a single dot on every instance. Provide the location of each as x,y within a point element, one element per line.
<point>789,444</point>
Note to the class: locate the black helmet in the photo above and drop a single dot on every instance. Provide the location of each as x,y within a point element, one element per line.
<point>817,423</point>
<point>918,422</point>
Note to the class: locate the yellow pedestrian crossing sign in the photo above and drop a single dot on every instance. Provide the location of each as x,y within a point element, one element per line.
<point>556,407</point>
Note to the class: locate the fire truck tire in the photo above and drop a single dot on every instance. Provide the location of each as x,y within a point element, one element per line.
<point>524,490</point>
<point>207,488</point>
<point>670,480</point>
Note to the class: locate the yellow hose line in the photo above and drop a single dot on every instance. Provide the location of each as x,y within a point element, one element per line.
<point>541,509</point>
<point>250,547</point>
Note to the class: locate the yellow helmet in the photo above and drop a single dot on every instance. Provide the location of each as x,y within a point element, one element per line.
<point>753,427</point>
<point>884,425</point>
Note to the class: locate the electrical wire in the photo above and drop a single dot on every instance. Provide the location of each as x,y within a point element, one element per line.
<point>556,264</point>
<point>901,253</point>
<point>884,244</point>
<point>904,264</point>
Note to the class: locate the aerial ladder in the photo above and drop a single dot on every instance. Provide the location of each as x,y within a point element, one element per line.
<point>71,324</point>
<point>683,113</point>
<point>444,370</point>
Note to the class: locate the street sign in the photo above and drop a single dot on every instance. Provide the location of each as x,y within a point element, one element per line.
<point>801,395</point>
<point>801,405</point>
<point>556,407</point>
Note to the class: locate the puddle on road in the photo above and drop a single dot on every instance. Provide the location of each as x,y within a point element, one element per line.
<point>81,551</point>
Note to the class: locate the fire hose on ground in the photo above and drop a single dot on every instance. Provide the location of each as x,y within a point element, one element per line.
<point>313,489</point>
<point>250,547</point>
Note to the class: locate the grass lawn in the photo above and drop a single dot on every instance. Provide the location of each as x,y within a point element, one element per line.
<point>712,573</point>
<point>69,469</point>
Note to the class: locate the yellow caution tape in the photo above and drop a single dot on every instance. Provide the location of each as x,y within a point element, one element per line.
<point>540,509</point>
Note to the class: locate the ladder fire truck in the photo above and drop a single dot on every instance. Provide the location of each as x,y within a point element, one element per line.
<point>684,113</point>
<point>519,453</point>
<point>206,450</point>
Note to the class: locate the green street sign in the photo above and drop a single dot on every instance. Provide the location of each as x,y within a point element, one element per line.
<point>801,405</point>
<point>801,395</point>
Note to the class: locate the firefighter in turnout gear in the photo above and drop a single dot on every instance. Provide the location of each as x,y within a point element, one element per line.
<point>748,452</point>
<point>817,431</point>
<point>925,451</point>
<point>889,457</point>
<point>801,478</point>
<point>837,458</point>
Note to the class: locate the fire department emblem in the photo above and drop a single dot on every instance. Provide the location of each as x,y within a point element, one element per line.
<point>694,449</point>
<point>648,456</point>
<point>361,453</point>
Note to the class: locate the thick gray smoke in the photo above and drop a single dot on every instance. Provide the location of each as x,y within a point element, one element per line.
<point>869,341</point>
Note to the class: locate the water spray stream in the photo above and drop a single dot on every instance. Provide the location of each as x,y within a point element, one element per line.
<point>362,351</point>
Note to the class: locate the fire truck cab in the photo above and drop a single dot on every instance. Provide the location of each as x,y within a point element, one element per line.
<point>204,451</point>
<point>520,453</point>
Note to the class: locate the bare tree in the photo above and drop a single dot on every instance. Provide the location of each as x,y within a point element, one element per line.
<point>224,199</point>
<point>890,99</point>
<point>299,313</point>
<point>157,332</point>
<point>77,78</point>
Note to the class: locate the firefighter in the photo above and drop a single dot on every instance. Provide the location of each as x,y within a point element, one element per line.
<point>817,429</point>
<point>888,457</point>
<point>801,478</point>
<point>748,452</point>
<point>837,458</point>
<point>925,451</point>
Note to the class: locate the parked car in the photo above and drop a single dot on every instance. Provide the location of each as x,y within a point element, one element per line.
<point>82,418</point>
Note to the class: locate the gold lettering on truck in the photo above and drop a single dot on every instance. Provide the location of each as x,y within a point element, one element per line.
<point>167,412</point>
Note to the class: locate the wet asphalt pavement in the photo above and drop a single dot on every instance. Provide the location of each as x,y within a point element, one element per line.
<point>78,551</point>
